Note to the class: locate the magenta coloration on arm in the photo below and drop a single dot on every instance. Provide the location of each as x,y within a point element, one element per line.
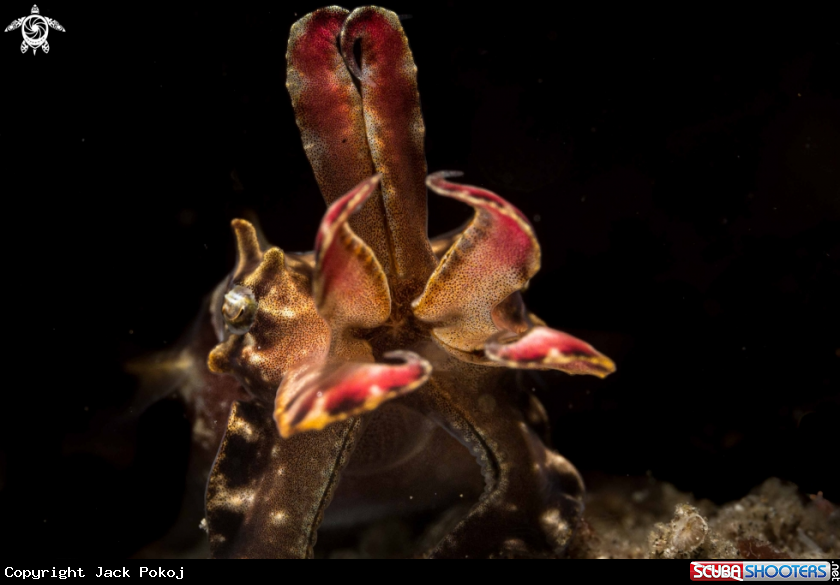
<point>545,348</point>
<point>349,286</point>
<point>330,393</point>
<point>495,256</point>
<point>395,132</point>
<point>328,110</point>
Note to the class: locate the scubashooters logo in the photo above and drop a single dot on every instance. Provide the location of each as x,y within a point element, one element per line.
<point>35,29</point>
<point>763,571</point>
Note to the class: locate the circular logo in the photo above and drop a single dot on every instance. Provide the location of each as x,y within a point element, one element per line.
<point>35,30</point>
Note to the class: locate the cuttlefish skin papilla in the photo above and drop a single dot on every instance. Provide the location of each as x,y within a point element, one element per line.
<point>382,354</point>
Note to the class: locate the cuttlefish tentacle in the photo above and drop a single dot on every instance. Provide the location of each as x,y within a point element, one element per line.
<point>266,496</point>
<point>328,110</point>
<point>533,497</point>
<point>395,132</point>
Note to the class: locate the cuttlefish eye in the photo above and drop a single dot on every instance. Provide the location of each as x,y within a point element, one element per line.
<point>239,309</point>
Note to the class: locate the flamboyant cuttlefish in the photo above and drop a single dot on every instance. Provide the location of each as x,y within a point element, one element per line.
<point>367,359</point>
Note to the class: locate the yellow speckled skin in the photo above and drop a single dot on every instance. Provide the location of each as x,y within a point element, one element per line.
<point>382,339</point>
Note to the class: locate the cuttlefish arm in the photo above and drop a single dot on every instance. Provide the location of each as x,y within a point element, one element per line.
<point>328,111</point>
<point>387,79</point>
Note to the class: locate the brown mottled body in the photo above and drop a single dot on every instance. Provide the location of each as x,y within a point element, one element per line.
<point>384,339</point>
<point>270,503</point>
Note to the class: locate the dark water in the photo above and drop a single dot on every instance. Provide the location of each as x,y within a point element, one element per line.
<point>682,171</point>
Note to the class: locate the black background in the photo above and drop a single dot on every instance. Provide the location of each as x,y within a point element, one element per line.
<point>681,169</point>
